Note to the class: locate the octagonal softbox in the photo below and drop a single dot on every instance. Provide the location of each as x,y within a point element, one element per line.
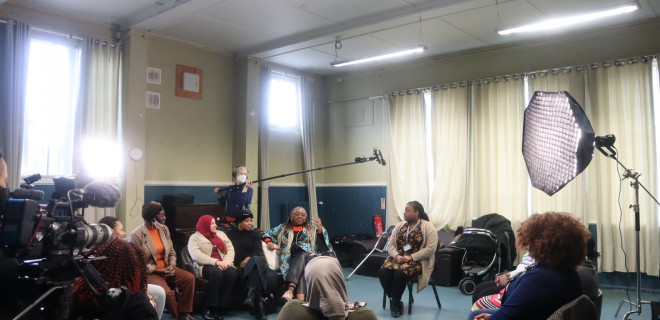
<point>558,140</point>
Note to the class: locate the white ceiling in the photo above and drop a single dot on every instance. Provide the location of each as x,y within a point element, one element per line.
<point>301,33</point>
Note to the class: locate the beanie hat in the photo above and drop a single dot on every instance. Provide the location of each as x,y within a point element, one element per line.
<point>150,210</point>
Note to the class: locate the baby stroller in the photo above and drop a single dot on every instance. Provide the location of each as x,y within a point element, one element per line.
<point>482,257</point>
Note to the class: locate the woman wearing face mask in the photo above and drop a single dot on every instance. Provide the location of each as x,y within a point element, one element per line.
<point>154,238</point>
<point>237,198</point>
<point>297,238</point>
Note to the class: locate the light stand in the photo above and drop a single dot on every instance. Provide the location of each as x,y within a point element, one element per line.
<point>558,144</point>
<point>629,173</point>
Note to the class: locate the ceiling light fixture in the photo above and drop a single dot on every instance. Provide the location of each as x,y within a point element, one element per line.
<point>554,24</point>
<point>417,49</point>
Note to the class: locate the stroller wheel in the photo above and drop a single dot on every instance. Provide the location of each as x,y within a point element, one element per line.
<point>467,285</point>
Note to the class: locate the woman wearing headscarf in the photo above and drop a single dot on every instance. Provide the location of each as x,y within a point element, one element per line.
<point>411,251</point>
<point>122,267</point>
<point>214,253</point>
<point>297,238</point>
<point>326,297</point>
<point>154,239</point>
<point>260,279</point>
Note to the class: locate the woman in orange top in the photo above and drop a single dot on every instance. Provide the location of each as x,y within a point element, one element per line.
<point>160,258</point>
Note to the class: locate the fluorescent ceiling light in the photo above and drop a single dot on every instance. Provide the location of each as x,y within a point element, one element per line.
<point>417,49</point>
<point>558,23</point>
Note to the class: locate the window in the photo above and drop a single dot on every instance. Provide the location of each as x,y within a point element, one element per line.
<point>51,96</point>
<point>284,101</point>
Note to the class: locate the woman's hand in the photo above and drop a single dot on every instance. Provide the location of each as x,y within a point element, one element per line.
<point>244,262</point>
<point>403,259</point>
<point>247,185</point>
<point>168,271</point>
<point>317,222</point>
<point>482,316</point>
<point>502,279</point>
<point>222,265</point>
<point>271,247</point>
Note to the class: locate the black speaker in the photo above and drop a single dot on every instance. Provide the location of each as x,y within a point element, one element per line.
<point>655,310</point>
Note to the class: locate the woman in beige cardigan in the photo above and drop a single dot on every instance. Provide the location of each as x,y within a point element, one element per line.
<point>156,243</point>
<point>214,253</point>
<point>412,249</point>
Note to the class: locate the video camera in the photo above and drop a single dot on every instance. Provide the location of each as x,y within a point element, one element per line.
<point>50,244</point>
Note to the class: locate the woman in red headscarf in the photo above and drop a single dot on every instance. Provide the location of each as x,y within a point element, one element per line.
<point>214,253</point>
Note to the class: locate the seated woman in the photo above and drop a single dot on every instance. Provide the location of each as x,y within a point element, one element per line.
<point>557,241</point>
<point>326,295</point>
<point>297,238</point>
<point>587,271</point>
<point>214,253</point>
<point>153,237</point>
<point>253,266</point>
<point>123,266</point>
<point>236,198</point>
<point>154,291</point>
<point>411,254</point>
<point>491,287</point>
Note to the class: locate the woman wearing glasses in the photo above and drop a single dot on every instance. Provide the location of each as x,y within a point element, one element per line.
<point>296,239</point>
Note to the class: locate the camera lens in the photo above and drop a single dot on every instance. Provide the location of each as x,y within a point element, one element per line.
<point>94,234</point>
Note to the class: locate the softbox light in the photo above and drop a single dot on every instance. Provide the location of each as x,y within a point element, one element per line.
<point>558,140</point>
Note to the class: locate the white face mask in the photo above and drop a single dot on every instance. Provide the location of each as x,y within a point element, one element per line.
<point>241,178</point>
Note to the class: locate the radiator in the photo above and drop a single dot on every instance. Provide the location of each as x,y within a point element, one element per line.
<point>286,207</point>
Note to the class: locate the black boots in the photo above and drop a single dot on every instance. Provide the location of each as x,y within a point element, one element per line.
<point>250,298</point>
<point>260,313</point>
<point>396,308</point>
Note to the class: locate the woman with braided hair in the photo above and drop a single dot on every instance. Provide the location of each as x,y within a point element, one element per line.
<point>123,266</point>
<point>297,238</point>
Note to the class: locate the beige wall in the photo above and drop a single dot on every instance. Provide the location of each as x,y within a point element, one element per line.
<point>189,139</point>
<point>351,91</point>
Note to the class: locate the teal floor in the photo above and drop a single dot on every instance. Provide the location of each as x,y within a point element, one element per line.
<point>455,305</point>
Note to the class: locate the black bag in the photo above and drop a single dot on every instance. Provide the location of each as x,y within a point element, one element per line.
<point>655,310</point>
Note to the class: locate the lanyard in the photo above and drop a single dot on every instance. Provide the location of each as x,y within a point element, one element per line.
<point>408,231</point>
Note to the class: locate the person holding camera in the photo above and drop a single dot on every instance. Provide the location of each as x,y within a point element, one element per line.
<point>238,197</point>
<point>122,267</point>
<point>154,238</point>
<point>8,265</point>
<point>412,253</point>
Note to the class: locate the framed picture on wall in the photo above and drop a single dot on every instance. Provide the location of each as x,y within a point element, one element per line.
<point>188,82</point>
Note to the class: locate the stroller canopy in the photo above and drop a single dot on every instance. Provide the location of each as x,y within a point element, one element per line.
<point>501,227</point>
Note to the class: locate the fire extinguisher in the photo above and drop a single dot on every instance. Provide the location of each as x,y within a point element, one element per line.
<point>378,224</point>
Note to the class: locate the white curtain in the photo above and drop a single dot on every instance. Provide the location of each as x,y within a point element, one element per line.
<point>450,137</point>
<point>99,110</point>
<point>408,173</point>
<point>264,89</point>
<point>307,117</point>
<point>498,175</point>
<point>573,198</point>
<point>12,96</point>
<point>621,102</point>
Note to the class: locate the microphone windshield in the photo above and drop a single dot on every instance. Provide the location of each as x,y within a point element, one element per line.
<point>31,194</point>
<point>101,194</point>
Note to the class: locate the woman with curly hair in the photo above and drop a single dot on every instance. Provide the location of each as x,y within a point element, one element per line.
<point>123,266</point>
<point>558,243</point>
<point>297,238</point>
